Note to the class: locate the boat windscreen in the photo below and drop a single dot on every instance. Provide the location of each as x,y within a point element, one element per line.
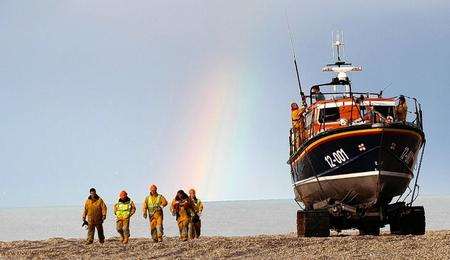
<point>330,114</point>
<point>385,110</point>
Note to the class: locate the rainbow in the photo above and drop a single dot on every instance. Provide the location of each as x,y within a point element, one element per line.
<point>213,149</point>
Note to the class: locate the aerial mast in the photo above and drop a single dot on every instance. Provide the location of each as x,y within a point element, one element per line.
<point>340,67</point>
<point>291,38</point>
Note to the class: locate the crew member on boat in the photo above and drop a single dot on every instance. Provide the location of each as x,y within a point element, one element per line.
<point>297,122</point>
<point>401,109</point>
<point>317,95</point>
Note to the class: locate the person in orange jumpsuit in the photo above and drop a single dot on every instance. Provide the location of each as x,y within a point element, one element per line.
<point>182,208</point>
<point>153,207</point>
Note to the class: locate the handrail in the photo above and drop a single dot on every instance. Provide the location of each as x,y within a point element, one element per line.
<point>369,118</point>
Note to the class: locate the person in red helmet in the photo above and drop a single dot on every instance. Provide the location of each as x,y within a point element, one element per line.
<point>123,210</point>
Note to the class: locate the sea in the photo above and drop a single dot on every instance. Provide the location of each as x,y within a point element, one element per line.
<point>221,218</point>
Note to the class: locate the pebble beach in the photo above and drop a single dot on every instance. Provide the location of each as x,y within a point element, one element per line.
<point>432,245</point>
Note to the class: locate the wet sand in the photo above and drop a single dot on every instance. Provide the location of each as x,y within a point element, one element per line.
<point>433,245</point>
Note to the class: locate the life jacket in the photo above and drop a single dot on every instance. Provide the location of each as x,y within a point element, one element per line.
<point>197,204</point>
<point>295,115</point>
<point>153,204</point>
<point>123,209</point>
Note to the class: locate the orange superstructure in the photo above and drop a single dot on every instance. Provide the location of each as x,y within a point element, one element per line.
<point>343,112</point>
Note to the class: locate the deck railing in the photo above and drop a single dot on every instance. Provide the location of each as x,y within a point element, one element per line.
<point>312,127</point>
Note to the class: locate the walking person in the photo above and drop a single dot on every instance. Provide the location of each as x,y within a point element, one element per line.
<point>196,223</point>
<point>123,210</point>
<point>153,207</point>
<point>95,211</point>
<point>182,208</point>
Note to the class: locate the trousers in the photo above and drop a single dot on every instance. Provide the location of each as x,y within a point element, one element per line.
<point>91,231</point>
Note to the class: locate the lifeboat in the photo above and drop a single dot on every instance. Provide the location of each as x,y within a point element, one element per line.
<point>352,154</point>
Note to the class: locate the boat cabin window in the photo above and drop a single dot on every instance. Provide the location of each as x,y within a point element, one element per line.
<point>330,114</point>
<point>385,110</point>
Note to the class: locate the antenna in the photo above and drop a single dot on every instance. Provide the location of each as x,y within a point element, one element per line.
<point>340,67</point>
<point>343,46</point>
<point>332,47</point>
<point>387,86</point>
<point>291,38</point>
<point>338,43</point>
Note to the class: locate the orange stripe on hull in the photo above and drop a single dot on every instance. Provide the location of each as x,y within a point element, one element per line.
<point>354,133</point>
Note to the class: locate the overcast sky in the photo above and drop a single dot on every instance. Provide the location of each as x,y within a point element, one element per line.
<point>121,94</point>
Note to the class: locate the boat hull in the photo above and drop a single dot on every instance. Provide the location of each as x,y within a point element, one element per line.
<point>356,166</point>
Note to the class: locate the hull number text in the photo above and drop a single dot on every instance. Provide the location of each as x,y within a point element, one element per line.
<point>337,157</point>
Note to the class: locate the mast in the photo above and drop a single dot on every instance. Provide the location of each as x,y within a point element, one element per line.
<point>291,38</point>
<point>341,68</point>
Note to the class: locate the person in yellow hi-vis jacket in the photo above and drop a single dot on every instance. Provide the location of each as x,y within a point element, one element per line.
<point>123,210</point>
<point>298,123</point>
<point>195,224</point>
<point>153,205</point>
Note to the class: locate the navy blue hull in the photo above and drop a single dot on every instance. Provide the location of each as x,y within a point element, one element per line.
<point>357,165</point>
